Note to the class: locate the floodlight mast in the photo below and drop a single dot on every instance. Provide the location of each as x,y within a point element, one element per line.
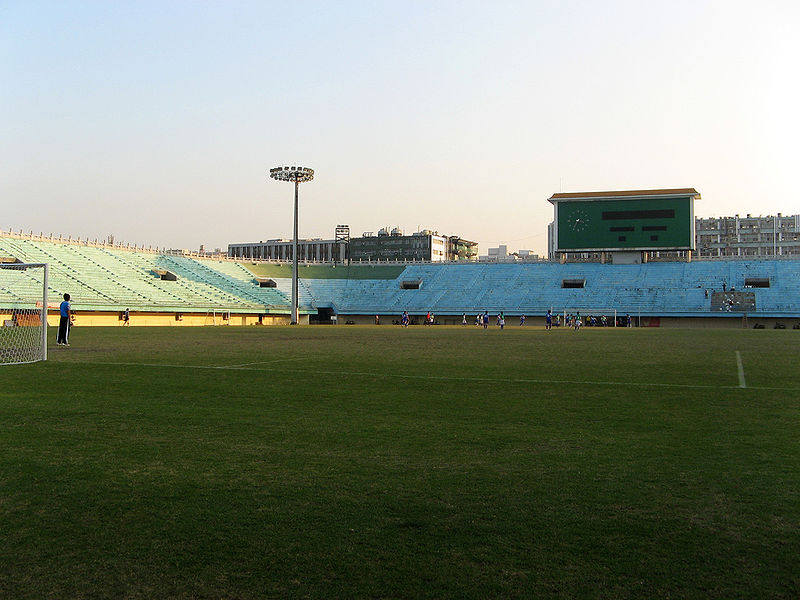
<point>297,175</point>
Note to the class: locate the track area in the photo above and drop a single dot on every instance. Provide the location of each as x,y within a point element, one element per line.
<point>441,462</point>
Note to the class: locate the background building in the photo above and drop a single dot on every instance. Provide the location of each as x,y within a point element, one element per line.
<point>776,235</point>
<point>501,254</point>
<point>392,245</point>
<point>461,249</point>
<point>495,254</point>
<point>313,250</point>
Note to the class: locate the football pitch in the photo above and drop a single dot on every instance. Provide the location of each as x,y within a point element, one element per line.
<point>381,462</point>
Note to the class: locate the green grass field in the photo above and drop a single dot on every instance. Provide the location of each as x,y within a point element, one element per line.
<point>378,462</point>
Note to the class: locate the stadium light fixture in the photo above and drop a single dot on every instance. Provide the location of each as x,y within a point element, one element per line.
<point>297,175</point>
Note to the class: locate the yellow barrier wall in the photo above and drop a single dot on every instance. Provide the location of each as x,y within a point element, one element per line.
<point>112,319</point>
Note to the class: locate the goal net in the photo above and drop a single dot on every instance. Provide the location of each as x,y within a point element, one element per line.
<point>23,313</point>
<point>217,317</point>
<point>595,317</point>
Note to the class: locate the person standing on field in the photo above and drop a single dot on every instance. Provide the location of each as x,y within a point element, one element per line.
<point>126,318</point>
<point>62,339</point>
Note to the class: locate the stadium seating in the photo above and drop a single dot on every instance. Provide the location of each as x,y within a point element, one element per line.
<point>112,279</point>
<point>662,289</point>
<point>103,278</point>
<point>220,286</point>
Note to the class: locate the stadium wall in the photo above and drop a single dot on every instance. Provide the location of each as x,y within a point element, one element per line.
<point>728,322</point>
<point>113,319</point>
<point>534,321</point>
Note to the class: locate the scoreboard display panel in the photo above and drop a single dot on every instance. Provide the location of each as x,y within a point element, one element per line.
<point>665,223</point>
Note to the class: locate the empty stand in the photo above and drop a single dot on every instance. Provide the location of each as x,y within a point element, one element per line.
<point>100,278</point>
<point>103,278</point>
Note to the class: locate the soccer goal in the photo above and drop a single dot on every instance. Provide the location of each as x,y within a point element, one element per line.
<point>218,317</point>
<point>594,317</point>
<point>23,313</point>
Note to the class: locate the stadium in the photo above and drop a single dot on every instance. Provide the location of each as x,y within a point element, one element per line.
<point>622,228</point>
<point>166,289</point>
<point>653,457</point>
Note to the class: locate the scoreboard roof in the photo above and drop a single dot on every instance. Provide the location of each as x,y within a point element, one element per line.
<point>627,194</point>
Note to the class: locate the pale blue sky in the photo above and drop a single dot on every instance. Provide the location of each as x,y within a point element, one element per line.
<point>159,121</point>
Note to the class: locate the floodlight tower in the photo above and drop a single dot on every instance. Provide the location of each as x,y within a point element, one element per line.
<point>298,175</point>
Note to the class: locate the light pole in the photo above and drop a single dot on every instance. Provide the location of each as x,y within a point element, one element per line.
<point>298,175</point>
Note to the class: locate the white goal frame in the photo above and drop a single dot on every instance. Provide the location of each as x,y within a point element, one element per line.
<point>30,305</point>
<point>223,315</point>
<point>611,314</point>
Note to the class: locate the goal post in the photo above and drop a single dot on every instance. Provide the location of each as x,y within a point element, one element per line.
<point>217,317</point>
<point>23,312</point>
<point>613,316</point>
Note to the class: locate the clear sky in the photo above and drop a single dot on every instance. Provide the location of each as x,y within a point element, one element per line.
<point>158,122</point>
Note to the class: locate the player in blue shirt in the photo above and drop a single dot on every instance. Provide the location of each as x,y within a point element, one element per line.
<point>62,339</point>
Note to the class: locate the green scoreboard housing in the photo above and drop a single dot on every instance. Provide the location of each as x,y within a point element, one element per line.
<point>624,220</point>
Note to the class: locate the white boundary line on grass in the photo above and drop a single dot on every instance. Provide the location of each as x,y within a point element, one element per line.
<point>444,377</point>
<point>742,383</point>
<point>263,362</point>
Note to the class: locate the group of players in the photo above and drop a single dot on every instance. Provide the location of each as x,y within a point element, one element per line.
<point>574,321</point>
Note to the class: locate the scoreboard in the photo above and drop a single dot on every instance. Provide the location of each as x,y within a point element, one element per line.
<point>594,223</point>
